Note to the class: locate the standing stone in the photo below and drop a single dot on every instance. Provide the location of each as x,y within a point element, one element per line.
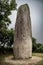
<point>23,36</point>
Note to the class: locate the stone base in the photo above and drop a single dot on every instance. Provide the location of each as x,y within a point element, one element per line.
<point>11,60</point>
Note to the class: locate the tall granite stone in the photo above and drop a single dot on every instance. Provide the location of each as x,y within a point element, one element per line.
<point>22,46</point>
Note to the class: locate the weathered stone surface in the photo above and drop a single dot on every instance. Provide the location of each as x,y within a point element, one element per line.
<point>23,37</point>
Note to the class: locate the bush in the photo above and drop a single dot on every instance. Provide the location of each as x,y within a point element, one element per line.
<point>40,49</point>
<point>6,50</point>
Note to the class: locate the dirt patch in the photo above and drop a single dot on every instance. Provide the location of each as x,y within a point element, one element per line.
<point>11,60</point>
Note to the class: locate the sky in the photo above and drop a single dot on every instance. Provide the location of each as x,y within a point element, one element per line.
<point>36,14</point>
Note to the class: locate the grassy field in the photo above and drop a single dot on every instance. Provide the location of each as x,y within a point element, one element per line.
<point>38,54</point>
<point>2,57</point>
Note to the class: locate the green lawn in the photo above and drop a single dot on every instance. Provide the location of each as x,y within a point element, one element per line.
<point>2,62</point>
<point>38,54</point>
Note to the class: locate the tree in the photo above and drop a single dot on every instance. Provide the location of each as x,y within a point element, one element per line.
<point>10,37</point>
<point>5,11</point>
<point>6,6</point>
<point>34,45</point>
<point>7,38</point>
<point>40,49</point>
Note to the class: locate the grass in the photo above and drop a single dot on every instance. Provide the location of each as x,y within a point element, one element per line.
<point>40,63</point>
<point>38,54</point>
<point>2,58</point>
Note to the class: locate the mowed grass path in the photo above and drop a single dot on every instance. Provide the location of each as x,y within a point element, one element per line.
<point>2,58</point>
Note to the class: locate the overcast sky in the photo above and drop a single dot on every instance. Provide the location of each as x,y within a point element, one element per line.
<point>36,13</point>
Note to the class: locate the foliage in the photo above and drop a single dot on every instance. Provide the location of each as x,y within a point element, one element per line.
<point>40,49</point>
<point>6,36</point>
<point>5,11</point>
<point>36,47</point>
